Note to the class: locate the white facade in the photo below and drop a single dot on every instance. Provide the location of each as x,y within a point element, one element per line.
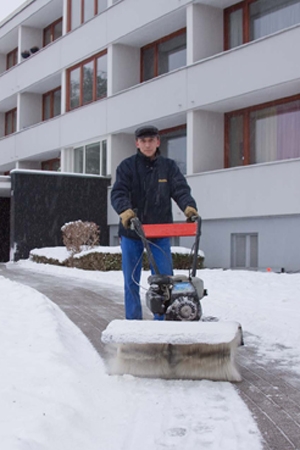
<point>213,82</point>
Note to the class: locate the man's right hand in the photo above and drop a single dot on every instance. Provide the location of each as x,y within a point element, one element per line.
<point>126,217</point>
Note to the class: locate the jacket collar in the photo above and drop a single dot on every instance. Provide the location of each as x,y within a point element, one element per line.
<point>146,158</point>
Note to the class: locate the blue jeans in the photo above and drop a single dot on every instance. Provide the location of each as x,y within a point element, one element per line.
<point>132,254</point>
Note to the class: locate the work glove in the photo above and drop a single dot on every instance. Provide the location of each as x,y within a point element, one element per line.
<point>126,217</point>
<point>190,212</point>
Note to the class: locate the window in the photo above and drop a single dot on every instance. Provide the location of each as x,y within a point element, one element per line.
<point>91,159</point>
<point>164,55</point>
<point>80,11</point>
<point>244,251</point>
<point>264,133</point>
<point>253,19</point>
<point>173,145</point>
<point>52,32</point>
<point>12,58</point>
<point>52,165</point>
<point>87,81</point>
<point>11,121</point>
<point>52,103</point>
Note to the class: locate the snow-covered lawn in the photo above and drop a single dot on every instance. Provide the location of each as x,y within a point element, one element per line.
<point>55,394</point>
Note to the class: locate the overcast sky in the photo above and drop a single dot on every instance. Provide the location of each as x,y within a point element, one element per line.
<point>8,6</point>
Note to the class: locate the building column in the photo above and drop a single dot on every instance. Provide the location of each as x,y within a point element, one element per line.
<point>66,159</point>
<point>205,141</point>
<point>123,67</point>
<point>204,32</point>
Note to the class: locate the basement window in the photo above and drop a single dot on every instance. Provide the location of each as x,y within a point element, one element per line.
<point>244,251</point>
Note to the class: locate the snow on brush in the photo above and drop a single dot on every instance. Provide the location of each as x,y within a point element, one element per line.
<point>55,394</point>
<point>168,332</point>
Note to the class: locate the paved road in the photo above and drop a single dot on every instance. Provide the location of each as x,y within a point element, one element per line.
<point>271,392</point>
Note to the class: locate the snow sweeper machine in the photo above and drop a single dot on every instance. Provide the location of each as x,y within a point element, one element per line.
<point>183,345</point>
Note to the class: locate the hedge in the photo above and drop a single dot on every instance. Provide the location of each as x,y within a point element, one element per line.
<point>112,261</point>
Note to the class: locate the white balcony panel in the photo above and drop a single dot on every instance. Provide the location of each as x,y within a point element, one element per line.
<point>161,97</point>
<point>84,124</point>
<point>252,191</point>
<point>7,149</point>
<point>146,18</point>
<point>255,73</point>
<point>37,140</point>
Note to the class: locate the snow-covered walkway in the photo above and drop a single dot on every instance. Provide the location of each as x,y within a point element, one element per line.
<point>180,414</point>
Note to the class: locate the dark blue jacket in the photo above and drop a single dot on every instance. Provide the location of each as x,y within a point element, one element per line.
<point>147,186</point>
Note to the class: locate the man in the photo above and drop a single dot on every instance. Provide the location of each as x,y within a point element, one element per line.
<point>145,184</point>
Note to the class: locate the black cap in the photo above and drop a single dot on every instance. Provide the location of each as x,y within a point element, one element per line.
<point>146,131</point>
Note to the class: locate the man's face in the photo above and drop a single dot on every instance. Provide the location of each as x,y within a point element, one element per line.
<point>148,145</point>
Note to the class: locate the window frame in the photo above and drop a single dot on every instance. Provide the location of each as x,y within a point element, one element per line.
<point>82,21</point>
<point>101,150</point>
<point>155,45</point>
<point>50,93</point>
<point>13,114</point>
<point>245,112</point>
<point>80,66</point>
<point>251,250</point>
<point>245,7</point>
<point>14,54</point>
<point>166,131</point>
<point>51,27</point>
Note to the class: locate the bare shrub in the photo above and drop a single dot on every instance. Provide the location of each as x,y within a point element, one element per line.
<point>80,235</point>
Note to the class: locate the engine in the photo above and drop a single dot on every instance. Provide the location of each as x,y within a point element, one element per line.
<point>177,297</point>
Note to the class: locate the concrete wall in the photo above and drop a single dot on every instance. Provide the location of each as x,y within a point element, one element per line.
<point>278,241</point>
<point>28,165</point>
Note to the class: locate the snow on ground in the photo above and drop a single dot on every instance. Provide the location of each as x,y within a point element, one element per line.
<point>55,394</point>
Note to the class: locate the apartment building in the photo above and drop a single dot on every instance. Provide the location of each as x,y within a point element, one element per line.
<point>220,79</point>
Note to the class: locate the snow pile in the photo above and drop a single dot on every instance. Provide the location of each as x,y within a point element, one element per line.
<point>49,374</point>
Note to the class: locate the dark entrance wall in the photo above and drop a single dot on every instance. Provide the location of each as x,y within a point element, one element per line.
<point>4,228</point>
<point>43,202</point>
